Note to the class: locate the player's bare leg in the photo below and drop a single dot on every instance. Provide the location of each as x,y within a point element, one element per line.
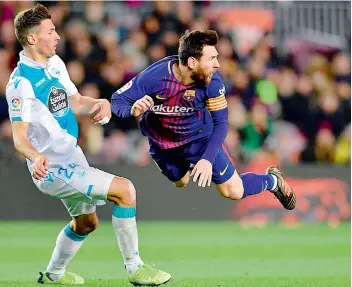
<point>123,194</point>
<point>233,188</point>
<point>183,181</point>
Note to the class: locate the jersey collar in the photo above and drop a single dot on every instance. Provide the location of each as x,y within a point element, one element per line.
<point>29,62</point>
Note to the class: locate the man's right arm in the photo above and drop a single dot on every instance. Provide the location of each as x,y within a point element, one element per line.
<point>21,142</point>
<point>20,96</point>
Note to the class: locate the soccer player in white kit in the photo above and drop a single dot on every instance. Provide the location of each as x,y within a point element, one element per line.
<point>42,102</point>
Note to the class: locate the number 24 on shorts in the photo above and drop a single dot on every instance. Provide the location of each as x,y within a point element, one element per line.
<point>67,174</point>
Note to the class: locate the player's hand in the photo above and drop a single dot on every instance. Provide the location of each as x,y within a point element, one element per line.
<point>40,166</point>
<point>203,171</point>
<point>100,111</point>
<point>141,106</point>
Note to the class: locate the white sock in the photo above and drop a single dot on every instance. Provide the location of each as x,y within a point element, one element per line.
<point>125,227</point>
<point>275,182</point>
<point>67,245</point>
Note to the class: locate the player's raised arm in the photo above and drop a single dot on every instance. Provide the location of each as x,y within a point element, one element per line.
<point>19,95</point>
<point>132,98</point>
<point>217,106</point>
<point>98,110</point>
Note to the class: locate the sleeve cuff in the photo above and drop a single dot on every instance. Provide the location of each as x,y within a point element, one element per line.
<point>16,119</point>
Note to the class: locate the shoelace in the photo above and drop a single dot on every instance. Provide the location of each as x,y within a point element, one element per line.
<point>152,271</point>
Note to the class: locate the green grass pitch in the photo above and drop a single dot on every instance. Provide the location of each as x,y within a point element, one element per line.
<point>206,254</point>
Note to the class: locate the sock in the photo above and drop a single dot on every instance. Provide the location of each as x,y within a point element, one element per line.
<point>256,183</point>
<point>124,224</point>
<point>67,245</point>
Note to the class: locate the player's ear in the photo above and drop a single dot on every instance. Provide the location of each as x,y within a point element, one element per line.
<point>31,36</point>
<point>31,39</point>
<point>192,62</point>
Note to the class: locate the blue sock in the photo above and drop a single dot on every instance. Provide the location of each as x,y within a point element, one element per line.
<point>256,183</point>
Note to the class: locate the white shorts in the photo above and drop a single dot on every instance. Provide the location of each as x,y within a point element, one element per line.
<point>80,186</point>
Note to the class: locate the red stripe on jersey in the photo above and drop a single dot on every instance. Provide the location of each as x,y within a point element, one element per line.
<point>228,154</point>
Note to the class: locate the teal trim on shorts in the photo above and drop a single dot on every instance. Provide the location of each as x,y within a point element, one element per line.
<point>66,183</point>
<point>72,235</point>
<point>124,212</point>
<point>90,188</point>
<point>16,119</point>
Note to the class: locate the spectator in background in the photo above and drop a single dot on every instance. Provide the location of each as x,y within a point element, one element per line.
<point>6,12</point>
<point>95,16</point>
<point>329,111</point>
<point>341,70</point>
<point>4,76</point>
<point>297,103</point>
<point>255,131</point>
<point>323,148</point>
<point>343,148</point>
<point>134,47</point>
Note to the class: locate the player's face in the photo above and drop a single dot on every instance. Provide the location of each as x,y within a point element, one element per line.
<point>207,65</point>
<point>47,38</point>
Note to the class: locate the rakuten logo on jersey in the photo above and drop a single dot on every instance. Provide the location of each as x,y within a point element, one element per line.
<point>166,110</point>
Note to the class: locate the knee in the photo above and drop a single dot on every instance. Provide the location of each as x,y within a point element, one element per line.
<point>233,189</point>
<point>123,192</point>
<point>234,192</point>
<point>128,193</point>
<point>92,225</point>
<point>182,183</point>
<point>86,226</point>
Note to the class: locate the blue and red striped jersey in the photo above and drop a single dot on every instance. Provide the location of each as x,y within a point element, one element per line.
<point>181,113</point>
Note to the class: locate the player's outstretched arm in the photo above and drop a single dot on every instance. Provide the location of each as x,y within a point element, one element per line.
<point>24,146</point>
<point>98,110</point>
<point>132,99</point>
<point>217,106</point>
<point>141,106</point>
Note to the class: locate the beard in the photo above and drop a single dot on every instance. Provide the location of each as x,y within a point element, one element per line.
<point>200,77</point>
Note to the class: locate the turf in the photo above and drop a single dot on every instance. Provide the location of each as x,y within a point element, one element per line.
<point>206,254</point>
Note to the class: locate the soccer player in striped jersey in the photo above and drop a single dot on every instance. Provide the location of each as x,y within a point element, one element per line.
<point>182,104</point>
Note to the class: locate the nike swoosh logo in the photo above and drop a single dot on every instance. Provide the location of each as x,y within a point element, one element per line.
<point>160,98</point>
<point>265,187</point>
<point>223,172</point>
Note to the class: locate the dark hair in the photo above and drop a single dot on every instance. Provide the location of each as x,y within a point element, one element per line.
<point>192,42</point>
<point>28,19</point>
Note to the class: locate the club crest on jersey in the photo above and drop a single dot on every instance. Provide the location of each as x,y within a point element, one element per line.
<point>189,95</point>
<point>58,102</point>
<point>222,91</point>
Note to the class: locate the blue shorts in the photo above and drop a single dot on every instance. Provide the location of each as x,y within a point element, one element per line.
<point>176,162</point>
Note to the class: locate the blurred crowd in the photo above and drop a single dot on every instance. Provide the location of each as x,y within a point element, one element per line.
<point>276,109</point>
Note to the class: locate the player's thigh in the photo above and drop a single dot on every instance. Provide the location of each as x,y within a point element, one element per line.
<point>227,180</point>
<point>80,188</point>
<point>176,170</point>
<point>223,167</point>
<point>76,182</point>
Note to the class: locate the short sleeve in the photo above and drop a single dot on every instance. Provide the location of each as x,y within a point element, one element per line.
<point>58,69</point>
<point>20,98</point>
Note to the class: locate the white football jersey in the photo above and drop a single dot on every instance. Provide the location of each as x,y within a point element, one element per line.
<point>39,95</point>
